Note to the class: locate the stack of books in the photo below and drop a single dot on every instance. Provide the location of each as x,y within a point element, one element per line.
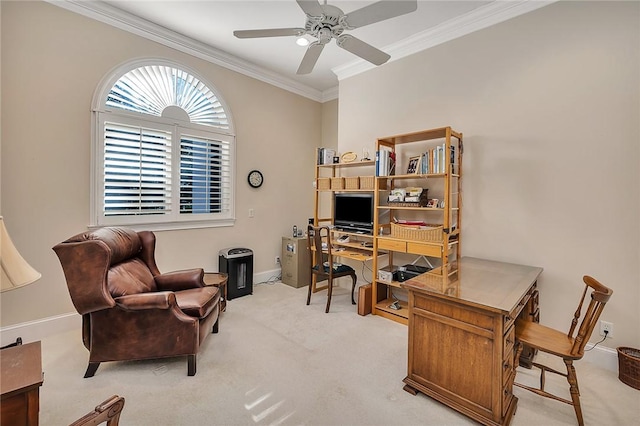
<point>433,161</point>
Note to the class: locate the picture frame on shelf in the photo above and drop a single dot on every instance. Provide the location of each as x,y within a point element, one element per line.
<point>432,203</point>
<point>348,157</point>
<point>414,165</point>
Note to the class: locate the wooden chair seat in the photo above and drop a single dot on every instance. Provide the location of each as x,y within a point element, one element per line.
<point>546,339</point>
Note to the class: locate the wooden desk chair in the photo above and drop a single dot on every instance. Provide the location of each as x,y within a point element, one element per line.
<point>109,411</point>
<point>320,239</point>
<point>568,346</point>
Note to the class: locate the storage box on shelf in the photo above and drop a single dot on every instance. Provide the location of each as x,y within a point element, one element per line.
<point>352,182</point>
<point>337,183</point>
<point>367,182</point>
<point>417,233</point>
<point>433,230</point>
<point>324,184</point>
<point>329,176</point>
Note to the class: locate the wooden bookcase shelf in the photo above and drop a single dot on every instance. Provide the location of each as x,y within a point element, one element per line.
<point>441,252</point>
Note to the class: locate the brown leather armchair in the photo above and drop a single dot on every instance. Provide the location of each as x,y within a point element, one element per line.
<point>130,311</point>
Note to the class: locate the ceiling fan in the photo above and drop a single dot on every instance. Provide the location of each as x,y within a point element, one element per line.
<point>325,22</point>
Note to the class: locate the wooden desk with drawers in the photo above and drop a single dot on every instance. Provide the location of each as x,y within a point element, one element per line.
<point>20,384</point>
<point>462,332</point>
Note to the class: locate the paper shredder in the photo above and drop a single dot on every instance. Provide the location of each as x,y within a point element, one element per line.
<point>237,263</point>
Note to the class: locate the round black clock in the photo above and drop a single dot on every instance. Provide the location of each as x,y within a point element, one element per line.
<point>255,178</point>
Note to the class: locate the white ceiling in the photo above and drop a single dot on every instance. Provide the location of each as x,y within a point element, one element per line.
<point>207,27</point>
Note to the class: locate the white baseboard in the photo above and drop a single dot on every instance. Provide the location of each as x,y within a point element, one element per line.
<point>602,356</point>
<point>267,276</point>
<point>37,330</point>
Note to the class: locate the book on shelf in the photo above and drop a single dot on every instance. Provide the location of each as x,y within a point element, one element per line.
<point>434,160</point>
<point>385,162</point>
<point>325,155</point>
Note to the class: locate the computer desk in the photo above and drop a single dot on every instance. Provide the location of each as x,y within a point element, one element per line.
<point>356,249</point>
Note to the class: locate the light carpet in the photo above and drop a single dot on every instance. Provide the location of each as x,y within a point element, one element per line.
<point>276,361</point>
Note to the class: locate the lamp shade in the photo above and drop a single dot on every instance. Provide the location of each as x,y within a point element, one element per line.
<point>16,272</point>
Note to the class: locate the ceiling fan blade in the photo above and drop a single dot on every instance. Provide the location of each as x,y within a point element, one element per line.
<point>362,49</point>
<point>379,11</point>
<point>310,58</point>
<point>311,7</point>
<point>274,32</point>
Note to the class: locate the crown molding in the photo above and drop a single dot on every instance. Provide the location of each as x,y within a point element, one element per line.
<point>125,21</point>
<point>330,94</point>
<point>482,17</point>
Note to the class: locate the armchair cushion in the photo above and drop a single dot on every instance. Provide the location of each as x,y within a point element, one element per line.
<point>130,277</point>
<point>123,243</point>
<point>142,301</point>
<point>180,280</point>
<point>198,302</point>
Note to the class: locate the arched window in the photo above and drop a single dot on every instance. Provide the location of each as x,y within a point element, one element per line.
<point>164,149</point>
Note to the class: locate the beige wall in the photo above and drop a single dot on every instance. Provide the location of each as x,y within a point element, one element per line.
<point>52,61</point>
<point>549,104</point>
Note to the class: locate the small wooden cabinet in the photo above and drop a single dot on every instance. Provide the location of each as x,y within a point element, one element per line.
<point>21,380</point>
<point>218,279</point>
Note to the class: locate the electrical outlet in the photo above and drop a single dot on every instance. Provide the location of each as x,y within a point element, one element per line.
<point>608,327</point>
<point>277,260</point>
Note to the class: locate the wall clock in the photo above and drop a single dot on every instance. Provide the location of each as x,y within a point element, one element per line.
<point>255,178</point>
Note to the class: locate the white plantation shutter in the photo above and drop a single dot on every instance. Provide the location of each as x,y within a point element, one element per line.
<point>137,170</point>
<point>164,151</point>
<point>150,89</point>
<point>205,171</point>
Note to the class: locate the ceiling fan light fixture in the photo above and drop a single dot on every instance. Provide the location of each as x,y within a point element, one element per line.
<point>302,41</point>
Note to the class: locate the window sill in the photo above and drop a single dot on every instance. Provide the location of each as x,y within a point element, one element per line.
<point>172,226</point>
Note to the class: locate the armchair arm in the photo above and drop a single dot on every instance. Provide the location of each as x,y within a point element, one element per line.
<point>142,301</point>
<point>180,280</point>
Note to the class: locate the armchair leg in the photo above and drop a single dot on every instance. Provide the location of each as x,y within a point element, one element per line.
<point>91,369</point>
<point>191,365</point>
<point>215,326</point>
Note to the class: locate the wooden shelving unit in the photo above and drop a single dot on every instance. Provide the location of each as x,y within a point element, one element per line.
<point>360,246</point>
<point>441,251</point>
